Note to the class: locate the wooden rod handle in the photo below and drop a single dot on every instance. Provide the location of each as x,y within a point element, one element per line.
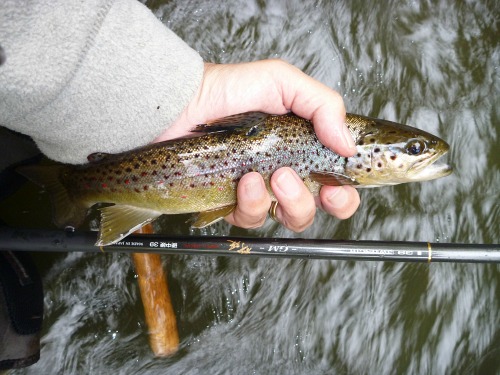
<point>158,309</point>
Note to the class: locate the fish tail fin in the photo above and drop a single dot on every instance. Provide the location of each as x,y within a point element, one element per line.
<point>65,211</point>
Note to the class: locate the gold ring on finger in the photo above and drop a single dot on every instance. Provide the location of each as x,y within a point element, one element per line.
<point>272,211</point>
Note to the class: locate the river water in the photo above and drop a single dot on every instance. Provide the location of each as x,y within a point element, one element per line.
<point>434,65</point>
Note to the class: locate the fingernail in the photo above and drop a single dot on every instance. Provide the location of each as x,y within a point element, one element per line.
<point>254,189</point>
<point>338,198</point>
<point>288,184</point>
<point>348,139</point>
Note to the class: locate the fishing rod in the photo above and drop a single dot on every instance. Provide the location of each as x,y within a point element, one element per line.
<point>37,240</point>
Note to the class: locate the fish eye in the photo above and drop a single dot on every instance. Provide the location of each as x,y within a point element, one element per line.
<point>415,147</point>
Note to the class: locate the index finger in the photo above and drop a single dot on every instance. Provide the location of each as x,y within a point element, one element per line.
<point>312,100</point>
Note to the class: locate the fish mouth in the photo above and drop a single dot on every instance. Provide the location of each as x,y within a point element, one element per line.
<point>430,170</point>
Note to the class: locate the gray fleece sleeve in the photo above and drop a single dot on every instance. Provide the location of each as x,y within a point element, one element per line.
<point>87,76</point>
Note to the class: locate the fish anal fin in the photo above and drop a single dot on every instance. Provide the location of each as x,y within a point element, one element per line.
<point>120,220</point>
<point>205,218</point>
<point>65,210</point>
<point>242,120</point>
<point>332,179</point>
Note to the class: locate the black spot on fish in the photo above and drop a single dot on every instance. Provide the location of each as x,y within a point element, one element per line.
<point>136,166</point>
<point>376,149</point>
<point>393,157</point>
<point>368,170</point>
<point>134,178</point>
<point>379,165</point>
<point>145,187</point>
<point>359,166</point>
<point>153,162</point>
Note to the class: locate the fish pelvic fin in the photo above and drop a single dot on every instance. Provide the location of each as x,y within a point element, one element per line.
<point>65,210</point>
<point>206,218</point>
<point>332,179</point>
<point>120,220</point>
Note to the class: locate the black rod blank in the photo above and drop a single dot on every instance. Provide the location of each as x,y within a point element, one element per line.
<point>62,241</point>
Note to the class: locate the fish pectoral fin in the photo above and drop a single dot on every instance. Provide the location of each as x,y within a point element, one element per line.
<point>120,220</point>
<point>332,179</point>
<point>205,218</point>
<point>242,120</point>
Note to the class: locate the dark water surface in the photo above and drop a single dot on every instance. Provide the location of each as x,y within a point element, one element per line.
<point>433,65</point>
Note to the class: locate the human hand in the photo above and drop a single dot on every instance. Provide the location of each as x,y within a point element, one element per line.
<point>275,87</point>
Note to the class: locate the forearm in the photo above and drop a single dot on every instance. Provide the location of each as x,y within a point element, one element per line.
<point>82,78</point>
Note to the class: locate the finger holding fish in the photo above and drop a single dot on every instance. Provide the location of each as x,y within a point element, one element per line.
<point>339,201</point>
<point>253,202</point>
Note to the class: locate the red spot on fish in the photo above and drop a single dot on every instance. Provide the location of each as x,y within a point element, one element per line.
<point>127,181</point>
<point>104,186</point>
<point>145,187</point>
<point>221,188</point>
<point>144,174</point>
<point>183,196</point>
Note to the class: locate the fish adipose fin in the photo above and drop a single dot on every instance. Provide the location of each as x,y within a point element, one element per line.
<point>205,218</point>
<point>65,211</point>
<point>97,156</point>
<point>242,120</point>
<point>332,179</point>
<point>119,221</point>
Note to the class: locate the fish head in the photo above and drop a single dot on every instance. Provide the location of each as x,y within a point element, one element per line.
<point>389,153</point>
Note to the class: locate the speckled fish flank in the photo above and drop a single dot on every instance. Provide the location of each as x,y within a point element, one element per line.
<point>200,174</point>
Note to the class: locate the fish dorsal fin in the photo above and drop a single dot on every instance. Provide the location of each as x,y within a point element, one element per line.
<point>120,220</point>
<point>332,179</point>
<point>97,156</point>
<point>242,120</point>
<point>205,218</point>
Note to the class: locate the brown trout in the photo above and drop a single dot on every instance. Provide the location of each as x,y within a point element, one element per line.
<point>200,174</point>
